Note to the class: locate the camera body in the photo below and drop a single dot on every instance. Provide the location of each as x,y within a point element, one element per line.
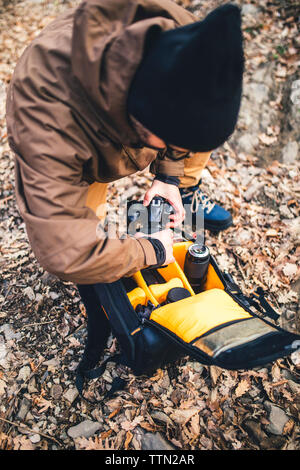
<point>150,219</point>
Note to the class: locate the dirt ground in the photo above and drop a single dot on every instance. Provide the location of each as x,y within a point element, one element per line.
<point>187,405</point>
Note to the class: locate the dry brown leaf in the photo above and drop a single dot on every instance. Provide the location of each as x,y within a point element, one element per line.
<point>115,403</point>
<point>276,372</point>
<point>129,425</point>
<point>115,412</point>
<point>32,366</point>
<point>271,233</point>
<point>129,437</point>
<point>288,427</point>
<point>159,375</point>
<point>289,396</point>
<point>215,373</point>
<point>289,269</point>
<point>44,405</point>
<point>147,426</point>
<point>23,443</point>
<point>5,441</point>
<point>183,416</point>
<point>195,425</point>
<point>242,388</point>
<point>187,404</point>
<point>267,139</point>
<point>155,402</point>
<point>96,444</point>
<point>176,443</point>
<point>269,389</point>
<point>106,434</point>
<point>186,435</point>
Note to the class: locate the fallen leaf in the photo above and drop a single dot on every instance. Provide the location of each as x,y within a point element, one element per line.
<point>44,405</point>
<point>271,233</point>
<point>115,412</point>
<point>183,416</point>
<point>288,427</point>
<point>147,426</point>
<point>94,444</point>
<point>129,437</point>
<point>129,425</point>
<point>159,375</point>
<point>195,425</point>
<point>289,269</point>
<point>242,388</point>
<point>106,434</point>
<point>23,443</point>
<point>215,373</point>
<point>186,404</point>
<point>267,139</point>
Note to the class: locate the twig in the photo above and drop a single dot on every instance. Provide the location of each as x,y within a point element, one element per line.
<point>17,392</point>
<point>6,199</point>
<point>80,327</point>
<point>31,430</point>
<point>37,324</point>
<point>241,270</point>
<point>281,382</point>
<point>6,295</point>
<point>236,256</point>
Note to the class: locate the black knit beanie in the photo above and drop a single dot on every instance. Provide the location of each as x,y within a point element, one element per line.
<point>188,88</point>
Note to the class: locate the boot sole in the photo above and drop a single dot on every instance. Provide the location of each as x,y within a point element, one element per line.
<point>217,228</point>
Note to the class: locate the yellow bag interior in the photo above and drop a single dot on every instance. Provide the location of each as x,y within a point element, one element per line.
<point>191,317</point>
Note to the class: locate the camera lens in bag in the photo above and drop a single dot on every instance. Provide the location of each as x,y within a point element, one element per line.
<point>196,266</point>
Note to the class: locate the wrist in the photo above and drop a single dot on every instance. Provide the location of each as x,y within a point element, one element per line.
<point>167,179</point>
<point>159,251</point>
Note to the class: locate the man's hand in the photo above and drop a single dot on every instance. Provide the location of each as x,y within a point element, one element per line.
<point>171,193</point>
<point>166,238</point>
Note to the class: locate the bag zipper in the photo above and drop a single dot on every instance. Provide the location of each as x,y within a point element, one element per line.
<point>237,299</point>
<point>204,358</point>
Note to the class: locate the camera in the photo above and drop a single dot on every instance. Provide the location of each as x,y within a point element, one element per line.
<point>150,219</point>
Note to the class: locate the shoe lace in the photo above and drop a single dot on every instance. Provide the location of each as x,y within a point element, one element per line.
<point>199,198</point>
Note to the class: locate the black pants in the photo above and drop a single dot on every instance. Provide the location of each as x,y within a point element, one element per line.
<point>98,327</point>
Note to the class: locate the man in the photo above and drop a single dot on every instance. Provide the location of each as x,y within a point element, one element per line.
<point>104,91</point>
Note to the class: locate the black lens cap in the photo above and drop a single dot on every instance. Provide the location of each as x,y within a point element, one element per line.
<point>177,293</point>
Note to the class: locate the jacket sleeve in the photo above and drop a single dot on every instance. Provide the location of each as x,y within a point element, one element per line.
<point>64,233</point>
<point>66,236</point>
<point>165,165</point>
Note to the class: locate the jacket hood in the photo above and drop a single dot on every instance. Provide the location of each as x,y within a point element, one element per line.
<point>108,44</point>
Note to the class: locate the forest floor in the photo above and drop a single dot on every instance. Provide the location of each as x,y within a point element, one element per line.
<point>188,406</point>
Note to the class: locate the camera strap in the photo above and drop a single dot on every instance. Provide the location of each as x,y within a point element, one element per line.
<point>260,303</point>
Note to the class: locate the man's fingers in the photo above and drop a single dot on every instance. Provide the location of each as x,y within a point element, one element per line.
<point>170,261</point>
<point>170,232</point>
<point>178,207</point>
<point>149,195</point>
<point>139,235</point>
<point>178,217</point>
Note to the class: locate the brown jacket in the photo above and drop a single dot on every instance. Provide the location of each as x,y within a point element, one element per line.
<point>68,127</point>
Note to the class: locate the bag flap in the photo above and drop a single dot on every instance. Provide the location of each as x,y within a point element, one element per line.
<point>194,316</point>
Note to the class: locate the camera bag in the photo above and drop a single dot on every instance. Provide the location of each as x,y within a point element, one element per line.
<point>217,326</point>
